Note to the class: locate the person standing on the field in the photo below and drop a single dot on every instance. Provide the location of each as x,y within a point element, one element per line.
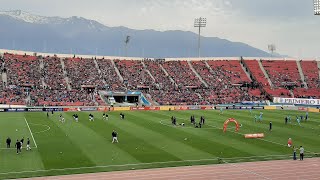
<point>260,116</point>
<point>286,120</point>
<point>18,146</point>
<point>8,141</point>
<point>28,144</point>
<point>270,126</point>
<point>192,119</point>
<point>294,153</point>
<point>298,120</point>
<point>307,116</point>
<point>22,141</point>
<point>301,153</point>
<point>114,136</point>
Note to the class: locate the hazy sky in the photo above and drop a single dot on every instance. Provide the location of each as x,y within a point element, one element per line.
<point>289,24</point>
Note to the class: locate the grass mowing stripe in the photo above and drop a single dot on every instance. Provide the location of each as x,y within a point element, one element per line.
<point>97,144</point>
<point>164,148</point>
<point>238,138</point>
<point>34,141</point>
<point>196,139</point>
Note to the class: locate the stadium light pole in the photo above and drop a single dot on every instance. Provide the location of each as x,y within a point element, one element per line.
<point>200,23</point>
<point>126,43</point>
<point>316,4</point>
<point>272,48</point>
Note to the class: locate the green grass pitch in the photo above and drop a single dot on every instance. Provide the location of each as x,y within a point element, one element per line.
<point>146,140</point>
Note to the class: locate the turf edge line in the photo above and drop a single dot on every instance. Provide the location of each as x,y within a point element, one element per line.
<point>35,143</point>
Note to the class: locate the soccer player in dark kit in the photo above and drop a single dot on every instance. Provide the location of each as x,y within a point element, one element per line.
<point>18,146</point>
<point>8,141</point>
<point>114,136</point>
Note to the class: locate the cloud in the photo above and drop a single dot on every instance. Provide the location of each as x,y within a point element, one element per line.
<point>290,24</point>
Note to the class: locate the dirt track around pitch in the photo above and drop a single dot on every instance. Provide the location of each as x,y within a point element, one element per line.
<point>278,169</point>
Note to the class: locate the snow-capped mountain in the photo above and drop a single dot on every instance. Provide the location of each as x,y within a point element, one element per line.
<point>37,19</point>
<point>31,18</point>
<point>76,35</point>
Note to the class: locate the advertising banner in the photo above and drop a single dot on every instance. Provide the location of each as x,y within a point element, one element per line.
<point>121,108</point>
<point>138,108</point>
<point>270,107</point>
<point>206,107</point>
<point>312,102</point>
<point>258,135</point>
<point>71,109</point>
<point>194,107</point>
<point>88,108</point>
<point>53,109</point>
<point>35,109</point>
<point>181,108</point>
<point>313,110</point>
<point>166,108</point>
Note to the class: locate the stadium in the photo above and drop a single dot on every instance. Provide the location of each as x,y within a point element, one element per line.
<point>180,118</point>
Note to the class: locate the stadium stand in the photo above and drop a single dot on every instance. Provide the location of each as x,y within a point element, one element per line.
<point>52,74</point>
<point>37,80</point>
<point>110,76</point>
<point>83,72</point>
<point>134,74</point>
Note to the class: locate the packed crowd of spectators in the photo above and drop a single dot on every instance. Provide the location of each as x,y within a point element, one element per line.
<point>110,76</point>
<point>175,97</point>
<point>83,72</point>
<point>181,73</point>
<point>134,74</point>
<point>22,70</point>
<point>226,80</point>
<point>13,96</point>
<point>162,81</point>
<point>62,97</point>
<point>52,74</point>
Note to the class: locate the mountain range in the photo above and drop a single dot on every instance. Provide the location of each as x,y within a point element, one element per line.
<point>76,35</point>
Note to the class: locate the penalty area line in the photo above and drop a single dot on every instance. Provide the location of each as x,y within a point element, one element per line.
<point>35,143</point>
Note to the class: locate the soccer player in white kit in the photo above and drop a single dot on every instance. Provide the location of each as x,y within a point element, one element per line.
<point>28,144</point>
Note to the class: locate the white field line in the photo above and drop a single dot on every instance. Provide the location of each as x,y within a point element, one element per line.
<point>15,148</point>
<point>48,128</point>
<point>34,141</point>
<point>124,165</point>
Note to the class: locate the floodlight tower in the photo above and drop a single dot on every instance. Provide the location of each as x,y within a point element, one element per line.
<point>126,46</point>
<point>200,23</point>
<point>272,48</point>
<point>316,4</point>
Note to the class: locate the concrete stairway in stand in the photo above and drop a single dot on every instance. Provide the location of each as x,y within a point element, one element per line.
<point>117,70</point>
<point>99,71</point>
<point>301,74</point>
<point>65,74</point>
<point>167,74</point>
<point>196,73</point>
<point>145,67</point>
<point>265,74</point>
